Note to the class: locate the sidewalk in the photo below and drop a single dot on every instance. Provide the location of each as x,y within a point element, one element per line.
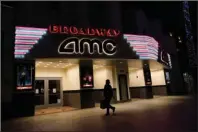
<point>162,114</point>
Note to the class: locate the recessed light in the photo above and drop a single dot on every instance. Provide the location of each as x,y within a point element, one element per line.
<point>50,62</point>
<point>45,66</point>
<point>60,61</point>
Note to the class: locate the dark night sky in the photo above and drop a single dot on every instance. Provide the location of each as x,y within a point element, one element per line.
<point>170,13</point>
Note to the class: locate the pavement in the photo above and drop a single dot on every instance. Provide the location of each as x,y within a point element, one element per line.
<point>161,114</point>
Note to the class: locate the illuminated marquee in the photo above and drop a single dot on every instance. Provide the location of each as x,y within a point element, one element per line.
<point>145,47</point>
<point>78,46</point>
<point>26,38</point>
<point>72,30</point>
<point>75,45</point>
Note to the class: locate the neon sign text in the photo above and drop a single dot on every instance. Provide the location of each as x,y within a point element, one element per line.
<point>79,46</point>
<point>72,30</point>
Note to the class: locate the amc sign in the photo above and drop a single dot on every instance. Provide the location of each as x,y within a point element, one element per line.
<point>74,45</point>
<point>94,46</point>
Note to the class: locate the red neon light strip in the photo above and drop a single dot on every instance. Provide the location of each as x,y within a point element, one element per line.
<point>24,37</point>
<point>30,43</point>
<point>148,45</point>
<point>143,43</point>
<point>20,53</point>
<point>31,28</point>
<point>139,42</point>
<point>144,51</point>
<point>26,41</point>
<point>27,87</point>
<point>140,46</point>
<point>22,48</point>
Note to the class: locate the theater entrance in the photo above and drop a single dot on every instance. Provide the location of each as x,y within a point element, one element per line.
<point>48,92</point>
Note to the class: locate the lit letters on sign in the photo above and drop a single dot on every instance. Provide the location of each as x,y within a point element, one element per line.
<point>79,46</point>
<point>72,30</point>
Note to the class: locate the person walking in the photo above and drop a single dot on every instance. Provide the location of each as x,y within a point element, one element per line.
<point>108,94</point>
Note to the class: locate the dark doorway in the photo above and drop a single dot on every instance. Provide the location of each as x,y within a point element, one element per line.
<point>123,87</point>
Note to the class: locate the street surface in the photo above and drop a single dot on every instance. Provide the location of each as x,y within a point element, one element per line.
<point>161,114</point>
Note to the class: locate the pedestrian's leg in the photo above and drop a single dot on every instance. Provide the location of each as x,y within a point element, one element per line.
<point>113,108</point>
<point>108,106</point>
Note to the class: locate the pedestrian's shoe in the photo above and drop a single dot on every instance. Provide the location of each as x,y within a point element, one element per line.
<point>107,114</point>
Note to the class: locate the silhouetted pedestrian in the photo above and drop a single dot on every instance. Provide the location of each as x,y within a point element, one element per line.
<point>108,94</point>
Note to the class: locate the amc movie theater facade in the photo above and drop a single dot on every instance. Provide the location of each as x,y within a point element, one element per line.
<point>66,65</point>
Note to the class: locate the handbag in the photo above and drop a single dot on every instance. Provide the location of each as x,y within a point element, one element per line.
<point>102,104</point>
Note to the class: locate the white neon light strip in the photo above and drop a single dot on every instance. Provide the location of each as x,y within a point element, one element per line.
<point>26,35</point>
<point>145,47</point>
<point>26,38</point>
<point>21,50</point>
<point>30,31</point>
<point>19,56</point>
<point>31,28</point>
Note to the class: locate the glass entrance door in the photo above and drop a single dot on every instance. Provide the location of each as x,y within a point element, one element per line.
<point>39,92</point>
<point>54,96</point>
<point>48,92</point>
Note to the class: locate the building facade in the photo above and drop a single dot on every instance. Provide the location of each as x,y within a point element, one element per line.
<point>62,57</point>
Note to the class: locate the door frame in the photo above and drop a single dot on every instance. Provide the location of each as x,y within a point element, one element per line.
<point>46,94</point>
<point>120,91</point>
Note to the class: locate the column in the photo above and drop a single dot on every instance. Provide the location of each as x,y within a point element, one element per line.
<point>86,84</point>
<point>168,81</point>
<point>147,91</point>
